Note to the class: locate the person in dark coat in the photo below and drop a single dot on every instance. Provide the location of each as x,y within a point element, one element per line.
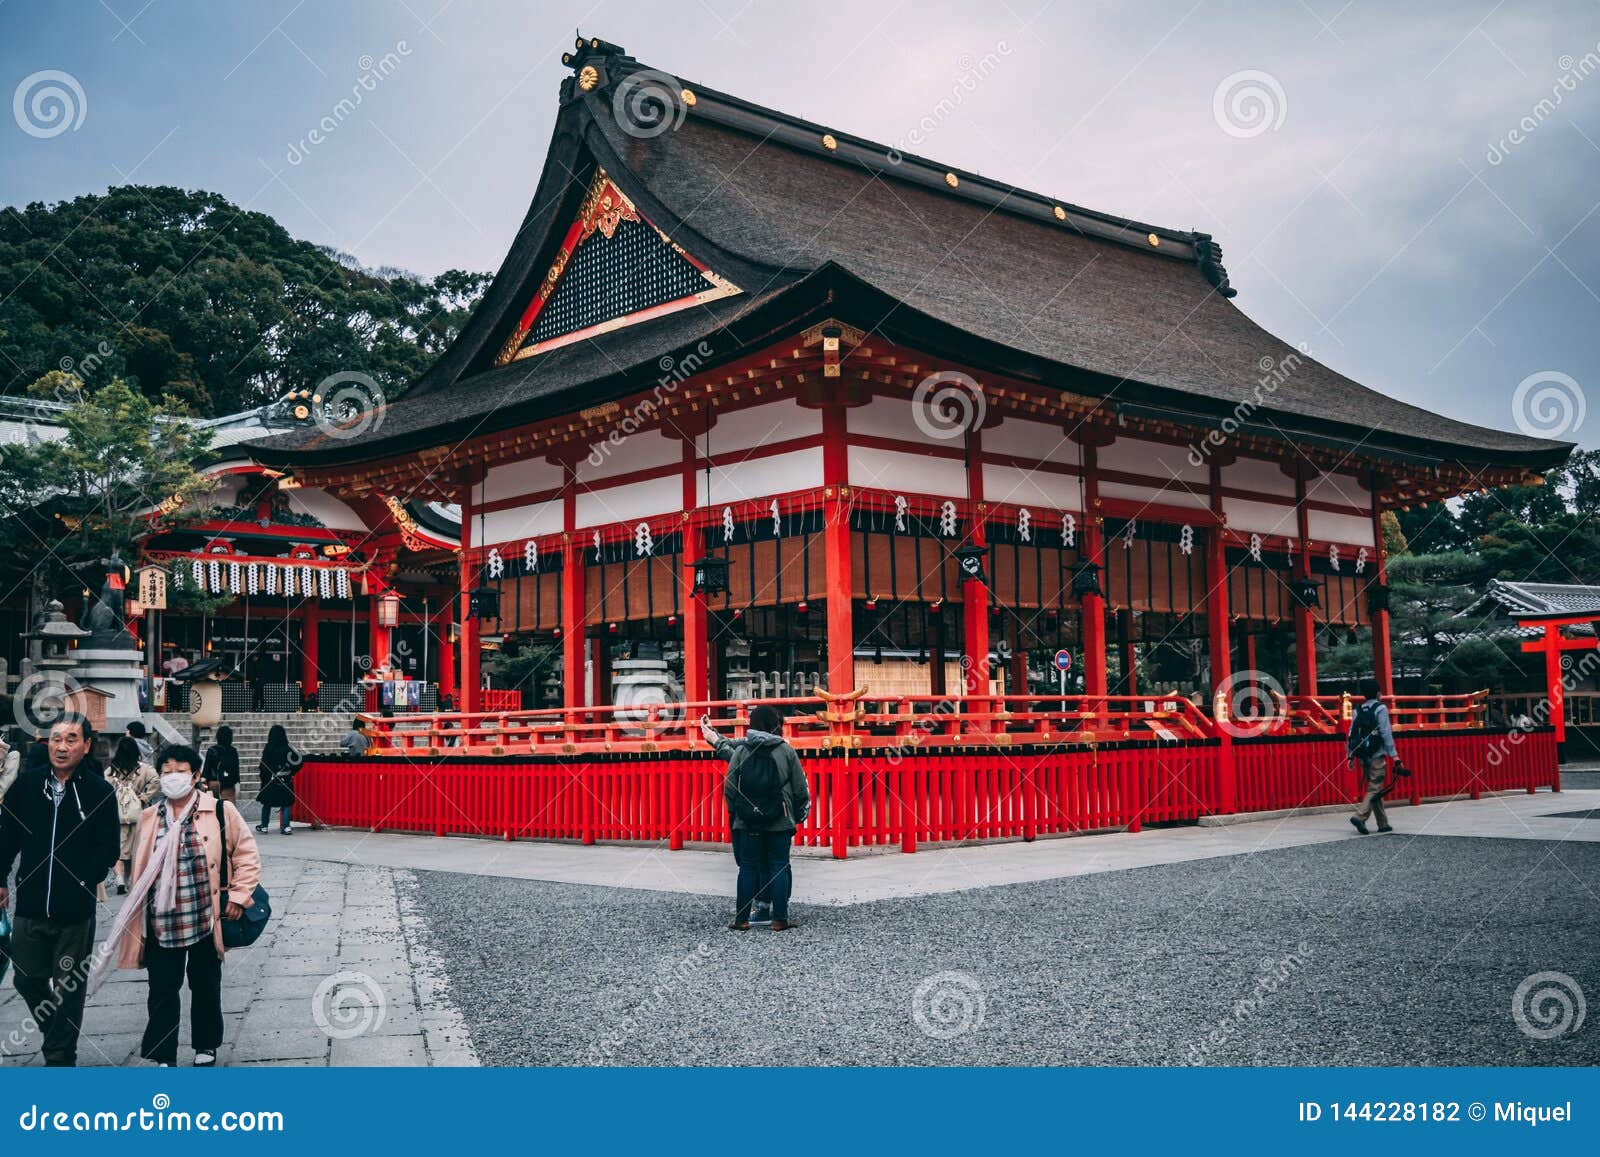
<point>62,823</point>
<point>220,774</point>
<point>279,762</point>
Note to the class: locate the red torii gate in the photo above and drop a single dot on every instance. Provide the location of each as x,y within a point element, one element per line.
<point>1551,645</point>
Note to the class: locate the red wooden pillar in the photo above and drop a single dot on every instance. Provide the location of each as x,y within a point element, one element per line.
<point>1305,620</point>
<point>1018,676</point>
<point>1127,653</point>
<point>1093,607</point>
<point>974,594</point>
<point>378,643</point>
<point>1219,626</point>
<point>447,658</point>
<point>936,654</point>
<point>1382,661</point>
<point>470,680</point>
<point>696,681</point>
<point>574,596</point>
<point>838,566</point>
<point>1554,690</point>
<point>308,649</point>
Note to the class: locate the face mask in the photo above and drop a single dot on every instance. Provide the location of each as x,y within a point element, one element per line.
<point>176,784</point>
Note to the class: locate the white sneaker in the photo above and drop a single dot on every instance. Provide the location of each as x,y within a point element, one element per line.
<point>205,1060</point>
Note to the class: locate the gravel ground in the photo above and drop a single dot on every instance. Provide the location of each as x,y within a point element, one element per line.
<point>1576,780</point>
<point>1392,950</point>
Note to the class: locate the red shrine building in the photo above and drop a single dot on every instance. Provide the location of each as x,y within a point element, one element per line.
<point>761,409</point>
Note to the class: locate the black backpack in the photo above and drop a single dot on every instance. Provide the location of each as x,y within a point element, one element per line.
<point>757,796</point>
<point>1365,739</point>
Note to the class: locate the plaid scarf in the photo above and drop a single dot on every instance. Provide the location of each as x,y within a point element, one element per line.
<point>188,921</point>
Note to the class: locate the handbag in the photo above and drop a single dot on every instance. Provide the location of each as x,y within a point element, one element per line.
<point>129,806</point>
<point>246,930</point>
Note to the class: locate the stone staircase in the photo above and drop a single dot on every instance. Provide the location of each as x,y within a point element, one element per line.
<point>310,732</point>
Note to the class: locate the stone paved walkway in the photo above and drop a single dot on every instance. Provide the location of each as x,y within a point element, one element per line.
<point>343,976</point>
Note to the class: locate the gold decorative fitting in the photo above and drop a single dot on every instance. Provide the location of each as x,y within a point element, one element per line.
<point>828,142</point>
<point>689,97</point>
<point>952,180</point>
<point>566,58</point>
<point>588,77</point>
<point>1061,214</point>
<point>1155,241</point>
<point>595,43</point>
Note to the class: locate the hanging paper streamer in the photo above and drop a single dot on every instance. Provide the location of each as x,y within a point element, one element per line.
<point>1255,547</point>
<point>324,583</point>
<point>233,577</point>
<point>900,509</point>
<point>213,580</point>
<point>272,579</point>
<point>530,556</point>
<point>643,543</point>
<point>727,524</point>
<point>1361,560</point>
<point>947,519</point>
<point>251,578</point>
<point>1024,524</point>
<point>341,582</point>
<point>177,577</point>
<point>1069,530</point>
<point>1127,536</point>
<point>497,565</point>
<point>777,522</point>
<point>1333,555</point>
<point>597,546</point>
<point>1186,539</point>
<point>306,581</point>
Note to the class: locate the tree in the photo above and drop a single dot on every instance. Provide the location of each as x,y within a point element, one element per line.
<point>188,296</point>
<point>119,468</point>
<point>1431,642</point>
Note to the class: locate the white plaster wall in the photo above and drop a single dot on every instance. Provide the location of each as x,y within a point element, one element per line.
<point>1156,459</point>
<point>760,477</point>
<point>899,472</point>
<point>1327,527</point>
<point>762,425</point>
<point>628,502</point>
<point>324,507</point>
<point>1260,517</point>
<point>518,522</point>
<point>1035,441</point>
<point>1259,476</point>
<point>638,451</point>
<point>1174,495</point>
<point>530,476</point>
<point>1340,488</point>
<point>1011,484</point>
<point>884,418</point>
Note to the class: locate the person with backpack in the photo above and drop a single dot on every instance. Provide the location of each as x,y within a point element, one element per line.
<point>220,772</point>
<point>136,785</point>
<point>1370,747</point>
<point>767,799</point>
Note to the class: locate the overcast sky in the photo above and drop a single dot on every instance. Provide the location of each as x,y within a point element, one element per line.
<point>1361,174</point>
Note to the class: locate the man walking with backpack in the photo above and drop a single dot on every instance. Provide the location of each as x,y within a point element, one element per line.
<point>767,799</point>
<point>1370,745</point>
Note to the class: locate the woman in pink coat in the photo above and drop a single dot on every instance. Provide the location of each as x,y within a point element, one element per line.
<point>171,924</point>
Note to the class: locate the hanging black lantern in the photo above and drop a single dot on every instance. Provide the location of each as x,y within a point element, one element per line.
<point>1378,597</point>
<point>1307,592</point>
<point>710,575</point>
<point>1086,579</point>
<point>970,559</point>
<point>485,602</point>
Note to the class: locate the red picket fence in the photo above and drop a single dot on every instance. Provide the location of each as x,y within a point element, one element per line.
<point>924,795</point>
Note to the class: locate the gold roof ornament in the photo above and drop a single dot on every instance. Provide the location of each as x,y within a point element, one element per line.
<point>952,180</point>
<point>689,97</point>
<point>1060,213</point>
<point>828,142</point>
<point>1155,242</point>
<point>588,77</point>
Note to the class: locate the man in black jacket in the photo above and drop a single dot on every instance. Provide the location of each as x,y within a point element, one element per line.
<point>64,823</point>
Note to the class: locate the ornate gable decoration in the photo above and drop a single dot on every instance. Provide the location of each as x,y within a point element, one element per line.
<point>614,268</point>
